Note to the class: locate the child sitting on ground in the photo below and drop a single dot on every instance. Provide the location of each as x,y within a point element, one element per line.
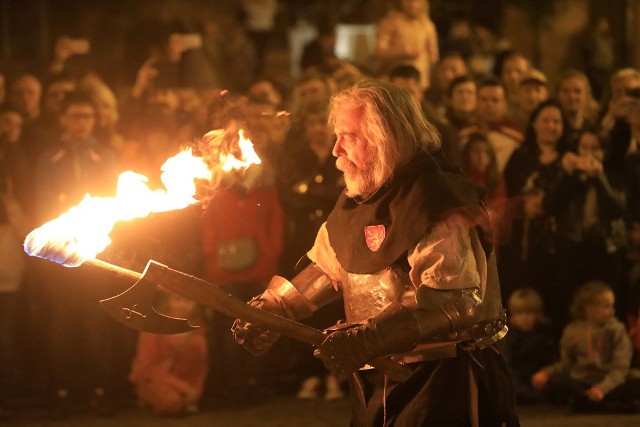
<point>595,354</point>
<point>531,343</point>
<point>169,371</point>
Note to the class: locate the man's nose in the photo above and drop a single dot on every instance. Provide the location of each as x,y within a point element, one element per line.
<point>337,148</point>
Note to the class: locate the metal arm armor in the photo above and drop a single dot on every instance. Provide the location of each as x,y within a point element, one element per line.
<point>307,292</point>
<point>462,317</point>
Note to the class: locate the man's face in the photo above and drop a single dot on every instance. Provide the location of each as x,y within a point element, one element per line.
<point>317,130</point>
<point>10,126</point>
<point>356,157</point>
<point>512,71</point>
<point>54,95</point>
<point>449,69</point>
<point>260,115</point>
<point>78,121</point>
<point>619,86</point>
<point>260,120</point>
<point>572,94</point>
<point>531,95</point>
<point>312,91</point>
<point>412,85</point>
<point>26,93</point>
<point>492,104</point>
<point>163,102</point>
<point>464,97</point>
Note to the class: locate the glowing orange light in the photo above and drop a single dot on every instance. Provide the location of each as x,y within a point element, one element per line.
<point>83,231</point>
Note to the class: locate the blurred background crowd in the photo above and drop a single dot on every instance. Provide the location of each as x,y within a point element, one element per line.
<point>538,102</point>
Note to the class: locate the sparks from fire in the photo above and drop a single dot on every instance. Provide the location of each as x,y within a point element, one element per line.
<point>83,231</point>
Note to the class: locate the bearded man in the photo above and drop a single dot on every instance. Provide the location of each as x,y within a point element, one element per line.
<point>407,247</point>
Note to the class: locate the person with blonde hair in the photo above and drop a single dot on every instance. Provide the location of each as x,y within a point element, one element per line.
<point>107,113</point>
<point>531,342</point>
<point>619,83</point>
<point>595,355</point>
<point>574,94</point>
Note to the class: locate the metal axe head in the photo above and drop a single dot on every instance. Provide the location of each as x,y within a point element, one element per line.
<point>134,308</point>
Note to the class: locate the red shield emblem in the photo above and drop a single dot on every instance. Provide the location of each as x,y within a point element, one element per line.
<point>374,236</point>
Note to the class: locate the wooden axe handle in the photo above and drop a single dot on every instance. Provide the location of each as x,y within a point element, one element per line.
<point>208,294</point>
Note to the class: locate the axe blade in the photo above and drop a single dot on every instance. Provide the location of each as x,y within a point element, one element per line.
<point>134,308</point>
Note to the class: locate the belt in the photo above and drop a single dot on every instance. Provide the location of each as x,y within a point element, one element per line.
<point>486,329</point>
<point>481,335</point>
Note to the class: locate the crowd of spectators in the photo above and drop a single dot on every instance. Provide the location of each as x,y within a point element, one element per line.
<point>561,170</point>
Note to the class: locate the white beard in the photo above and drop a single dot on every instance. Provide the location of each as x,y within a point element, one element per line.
<point>359,182</point>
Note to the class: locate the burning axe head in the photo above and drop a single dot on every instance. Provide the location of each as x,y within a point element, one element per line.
<point>134,308</point>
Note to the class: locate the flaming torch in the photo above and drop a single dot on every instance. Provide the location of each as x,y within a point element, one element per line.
<point>77,236</point>
<point>83,231</point>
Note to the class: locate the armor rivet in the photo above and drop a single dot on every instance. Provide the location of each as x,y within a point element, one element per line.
<point>488,329</point>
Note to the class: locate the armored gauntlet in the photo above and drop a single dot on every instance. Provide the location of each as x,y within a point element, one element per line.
<point>298,299</point>
<point>396,329</point>
<point>255,339</point>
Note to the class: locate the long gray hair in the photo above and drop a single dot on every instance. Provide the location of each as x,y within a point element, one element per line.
<point>392,121</point>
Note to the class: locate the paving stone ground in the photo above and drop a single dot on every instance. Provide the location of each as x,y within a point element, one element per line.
<point>288,411</point>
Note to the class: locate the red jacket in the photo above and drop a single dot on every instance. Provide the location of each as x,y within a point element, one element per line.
<point>179,361</point>
<point>234,214</point>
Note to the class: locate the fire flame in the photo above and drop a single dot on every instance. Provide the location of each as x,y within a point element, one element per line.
<point>83,231</point>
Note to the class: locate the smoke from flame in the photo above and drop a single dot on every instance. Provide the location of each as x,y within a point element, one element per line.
<point>83,231</point>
